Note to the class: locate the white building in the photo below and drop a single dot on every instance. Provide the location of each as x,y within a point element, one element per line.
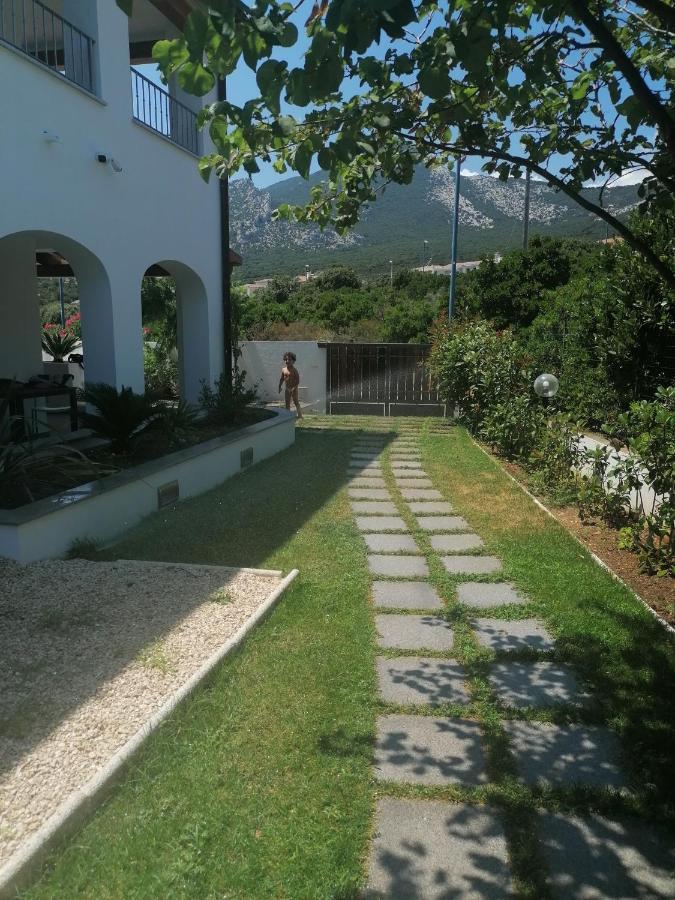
<point>98,165</point>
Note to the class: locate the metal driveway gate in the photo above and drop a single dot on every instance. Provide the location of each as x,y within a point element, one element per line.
<point>381,380</point>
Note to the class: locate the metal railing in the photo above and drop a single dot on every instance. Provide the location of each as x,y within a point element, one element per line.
<point>39,32</point>
<point>155,107</point>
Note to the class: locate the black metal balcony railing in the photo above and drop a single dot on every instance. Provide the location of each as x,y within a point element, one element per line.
<point>157,109</point>
<point>38,31</point>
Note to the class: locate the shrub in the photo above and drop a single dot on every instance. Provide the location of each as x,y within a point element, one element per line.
<point>161,371</point>
<point>478,368</point>
<point>513,428</point>
<point>58,342</point>
<point>225,402</point>
<point>123,416</point>
<point>648,429</point>
<point>555,460</point>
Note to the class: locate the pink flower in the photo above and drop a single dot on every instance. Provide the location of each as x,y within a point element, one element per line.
<point>146,331</point>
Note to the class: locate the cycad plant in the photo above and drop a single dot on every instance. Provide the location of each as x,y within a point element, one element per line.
<point>58,342</point>
<point>122,416</point>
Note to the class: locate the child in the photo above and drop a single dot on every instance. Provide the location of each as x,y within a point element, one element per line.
<point>290,377</point>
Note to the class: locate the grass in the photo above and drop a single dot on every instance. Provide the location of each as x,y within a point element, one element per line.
<point>261,785</point>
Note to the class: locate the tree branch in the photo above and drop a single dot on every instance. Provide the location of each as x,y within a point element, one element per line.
<point>662,11</point>
<point>635,242</point>
<point>615,52</point>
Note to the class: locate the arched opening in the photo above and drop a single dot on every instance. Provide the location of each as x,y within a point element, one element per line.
<point>176,332</point>
<point>39,269</point>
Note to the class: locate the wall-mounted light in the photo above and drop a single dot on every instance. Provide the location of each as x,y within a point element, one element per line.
<point>106,160</point>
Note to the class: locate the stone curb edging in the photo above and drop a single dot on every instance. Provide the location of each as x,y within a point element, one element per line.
<point>594,556</point>
<point>17,872</point>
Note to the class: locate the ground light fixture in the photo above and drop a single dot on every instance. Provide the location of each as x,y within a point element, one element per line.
<point>546,386</point>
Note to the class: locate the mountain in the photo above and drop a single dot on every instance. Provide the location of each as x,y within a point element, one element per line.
<point>403,218</point>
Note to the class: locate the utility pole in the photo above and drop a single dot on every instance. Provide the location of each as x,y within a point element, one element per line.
<point>453,252</point>
<point>226,274</point>
<point>424,256</point>
<point>391,273</point>
<point>526,215</point>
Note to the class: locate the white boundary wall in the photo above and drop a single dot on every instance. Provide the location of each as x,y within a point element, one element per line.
<point>262,361</point>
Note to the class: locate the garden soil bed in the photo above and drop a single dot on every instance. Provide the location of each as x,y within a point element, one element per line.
<point>88,653</point>
<point>658,593</point>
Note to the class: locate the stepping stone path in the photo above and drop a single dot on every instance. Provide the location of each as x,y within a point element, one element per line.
<point>427,848</point>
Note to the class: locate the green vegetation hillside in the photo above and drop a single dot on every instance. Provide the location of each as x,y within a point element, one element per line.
<point>396,226</point>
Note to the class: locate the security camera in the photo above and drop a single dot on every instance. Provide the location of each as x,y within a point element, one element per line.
<point>102,158</point>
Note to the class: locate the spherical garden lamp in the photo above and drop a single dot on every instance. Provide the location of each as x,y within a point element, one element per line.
<point>546,386</point>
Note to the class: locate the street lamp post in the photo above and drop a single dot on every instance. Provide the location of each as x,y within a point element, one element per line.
<point>455,229</point>
<point>424,255</point>
<point>306,273</point>
<point>546,386</point>
<point>526,213</point>
<point>391,273</point>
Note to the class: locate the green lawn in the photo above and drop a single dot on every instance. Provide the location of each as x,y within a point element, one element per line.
<point>261,786</point>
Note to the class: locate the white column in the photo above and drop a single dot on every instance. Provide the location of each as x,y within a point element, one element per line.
<point>20,346</point>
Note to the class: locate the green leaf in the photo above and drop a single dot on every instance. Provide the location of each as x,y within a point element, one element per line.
<point>435,82</point>
<point>581,85</point>
<point>205,167</point>
<point>286,125</point>
<point>254,47</point>
<point>193,78</point>
<point>296,88</point>
<point>170,55</point>
<point>303,159</point>
<point>196,31</point>
<point>219,135</point>
<point>325,159</point>
<point>403,65</point>
<point>289,35</point>
<point>269,78</point>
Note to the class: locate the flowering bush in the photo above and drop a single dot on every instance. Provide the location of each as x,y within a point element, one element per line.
<point>58,342</point>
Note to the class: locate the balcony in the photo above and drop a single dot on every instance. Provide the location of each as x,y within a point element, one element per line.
<point>155,108</point>
<point>44,35</point>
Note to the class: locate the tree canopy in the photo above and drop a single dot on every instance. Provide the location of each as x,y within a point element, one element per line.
<point>574,91</point>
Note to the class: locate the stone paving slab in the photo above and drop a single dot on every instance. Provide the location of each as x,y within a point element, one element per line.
<point>406,466</point>
<point>534,684</point>
<point>364,473</point>
<point>425,484</point>
<point>422,680</point>
<point>517,634</point>
<point>594,858</point>
<point>398,566</point>
<point>415,493</point>
<point>426,750</point>
<point>402,474</point>
<point>483,596</point>
<point>402,456</point>
<point>566,754</point>
<point>380,523</point>
<point>391,543</point>
<point>410,632</point>
<point>368,483</point>
<point>430,850</point>
<point>471,565</point>
<point>405,595</point>
<point>373,507</point>
<point>455,543</point>
<point>430,506</point>
<point>369,494</point>
<point>443,523</point>
<point>365,466</point>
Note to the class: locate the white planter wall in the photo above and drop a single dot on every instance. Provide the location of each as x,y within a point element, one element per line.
<point>105,509</point>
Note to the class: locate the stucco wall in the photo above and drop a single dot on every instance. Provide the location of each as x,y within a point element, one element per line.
<point>262,361</point>
<point>157,209</point>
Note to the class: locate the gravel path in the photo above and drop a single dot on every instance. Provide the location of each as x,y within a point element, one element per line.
<point>88,652</point>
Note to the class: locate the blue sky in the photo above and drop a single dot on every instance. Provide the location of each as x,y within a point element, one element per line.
<point>241,86</point>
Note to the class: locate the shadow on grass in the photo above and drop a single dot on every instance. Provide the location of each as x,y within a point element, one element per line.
<point>246,521</point>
